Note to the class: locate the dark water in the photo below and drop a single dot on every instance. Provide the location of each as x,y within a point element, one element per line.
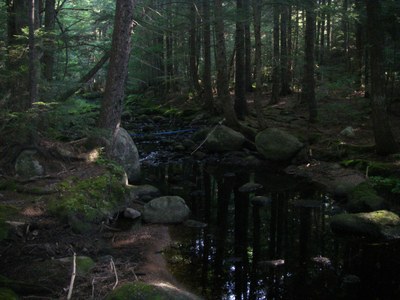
<point>283,250</point>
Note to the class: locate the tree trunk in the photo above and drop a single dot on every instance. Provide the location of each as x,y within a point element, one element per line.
<point>258,63</point>
<point>85,78</point>
<point>359,23</point>
<point>322,35</point>
<point>329,26</point>
<point>384,139</point>
<point>345,28</point>
<point>308,92</point>
<point>240,89</point>
<point>48,54</point>
<point>111,107</point>
<point>207,84</point>
<point>285,87</point>
<point>222,75</point>
<point>194,72</point>
<point>275,60</point>
<point>247,43</point>
<point>33,65</point>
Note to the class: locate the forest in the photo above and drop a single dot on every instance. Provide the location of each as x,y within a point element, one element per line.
<point>197,149</point>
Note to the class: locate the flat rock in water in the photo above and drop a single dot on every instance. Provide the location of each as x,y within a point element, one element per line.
<point>167,209</point>
<point>261,200</point>
<point>195,224</point>
<point>307,203</point>
<point>381,225</point>
<point>250,187</point>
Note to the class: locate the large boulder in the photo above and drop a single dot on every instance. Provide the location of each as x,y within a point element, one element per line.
<point>28,164</point>
<point>277,145</point>
<point>381,224</point>
<point>224,139</point>
<point>167,209</point>
<point>123,150</point>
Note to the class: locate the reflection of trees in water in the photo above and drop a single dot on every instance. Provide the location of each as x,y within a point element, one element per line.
<point>283,250</point>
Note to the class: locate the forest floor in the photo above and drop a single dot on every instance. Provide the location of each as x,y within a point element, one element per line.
<point>37,255</point>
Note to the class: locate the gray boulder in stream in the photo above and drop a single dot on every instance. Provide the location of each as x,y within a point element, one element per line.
<point>124,152</point>
<point>224,139</point>
<point>167,209</point>
<point>277,145</point>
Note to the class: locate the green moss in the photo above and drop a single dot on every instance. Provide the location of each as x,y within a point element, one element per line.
<point>8,184</point>
<point>374,224</point>
<point>364,198</point>
<point>138,291</point>
<point>84,264</point>
<point>143,291</point>
<point>6,211</point>
<point>374,168</point>
<point>82,202</point>
<point>7,294</point>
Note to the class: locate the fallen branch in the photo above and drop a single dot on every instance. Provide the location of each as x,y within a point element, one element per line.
<point>208,135</point>
<point>71,285</point>
<point>113,268</point>
<point>93,280</point>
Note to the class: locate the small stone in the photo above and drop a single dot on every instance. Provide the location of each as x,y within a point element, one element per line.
<point>348,132</point>
<point>131,213</point>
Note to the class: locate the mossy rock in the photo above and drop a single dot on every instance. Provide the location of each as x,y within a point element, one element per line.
<point>364,198</point>
<point>83,264</point>
<point>7,294</point>
<point>380,224</point>
<point>375,168</point>
<point>143,291</point>
<point>84,203</point>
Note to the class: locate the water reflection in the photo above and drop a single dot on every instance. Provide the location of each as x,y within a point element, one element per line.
<point>280,248</point>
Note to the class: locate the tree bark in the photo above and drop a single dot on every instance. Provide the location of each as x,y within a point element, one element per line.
<point>222,70</point>
<point>194,70</point>
<point>240,89</point>
<point>48,54</point>
<point>33,65</point>
<point>207,84</point>
<point>247,46</point>
<point>384,139</point>
<point>275,59</point>
<point>329,26</point>
<point>285,87</point>
<point>111,107</point>
<point>85,78</point>
<point>258,63</point>
<point>308,92</point>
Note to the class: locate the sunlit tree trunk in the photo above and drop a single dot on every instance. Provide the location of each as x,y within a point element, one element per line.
<point>207,84</point>
<point>222,70</point>
<point>240,97</point>
<point>111,107</point>
<point>308,92</point>
<point>384,139</point>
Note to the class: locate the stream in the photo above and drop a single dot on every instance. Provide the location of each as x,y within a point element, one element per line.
<point>275,246</point>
